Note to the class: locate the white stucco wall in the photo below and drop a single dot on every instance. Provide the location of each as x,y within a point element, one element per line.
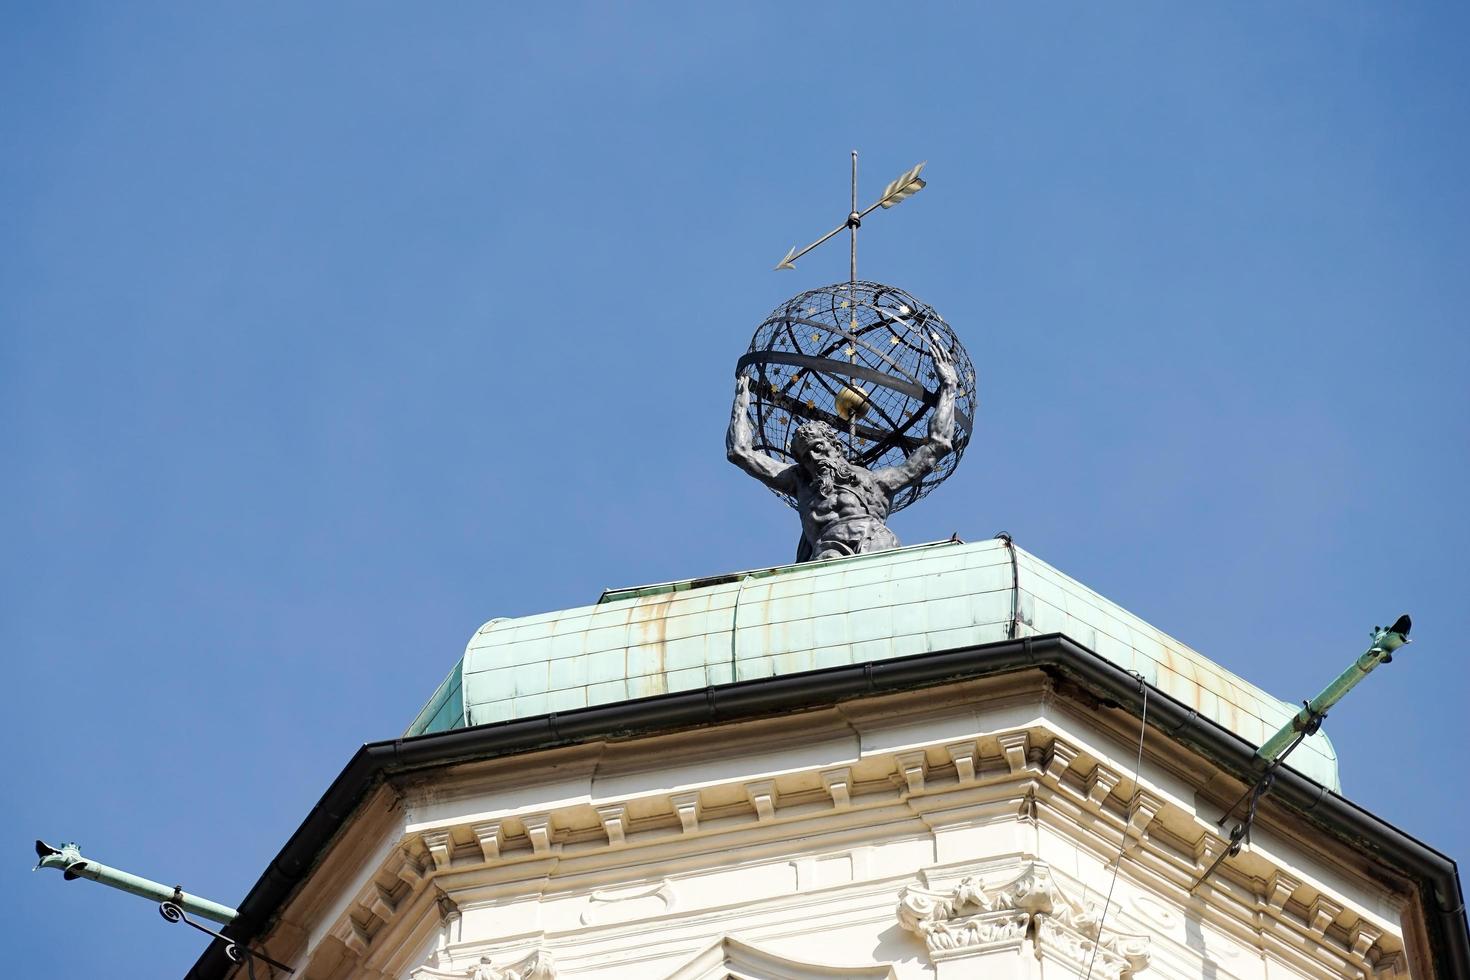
<point>898,836</point>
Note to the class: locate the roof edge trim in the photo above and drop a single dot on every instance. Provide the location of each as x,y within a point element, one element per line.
<point>687,584</point>
<point>1449,934</point>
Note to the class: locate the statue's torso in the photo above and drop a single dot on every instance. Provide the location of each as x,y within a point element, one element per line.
<point>862,498</point>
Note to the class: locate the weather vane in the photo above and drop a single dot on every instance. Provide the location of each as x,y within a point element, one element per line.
<point>862,357</point>
<point>906,186</point>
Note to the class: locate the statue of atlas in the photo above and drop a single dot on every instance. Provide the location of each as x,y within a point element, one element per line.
<point>842,505</point>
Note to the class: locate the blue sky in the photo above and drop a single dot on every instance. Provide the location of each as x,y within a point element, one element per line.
<point>328,332</point>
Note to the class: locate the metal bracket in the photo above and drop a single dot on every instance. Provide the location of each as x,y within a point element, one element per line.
<point>1240,834</point>
<point>237,952</point>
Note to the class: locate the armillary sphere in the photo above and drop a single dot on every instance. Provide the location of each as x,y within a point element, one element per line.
<point>856,356</point>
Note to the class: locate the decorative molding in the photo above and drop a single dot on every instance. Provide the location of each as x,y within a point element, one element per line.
<point>1101,783</point>
<point>1362,937</point>
<point>1280,890</point>
<point>1141,812</point>
<point>488,835</point>
<point>623,905</point>
<point>538,830</point>
<point>1014,745</point>
<point>1322,913</point>
<point>448,908</point>
<point>962,754</point>
<point>980,933</point>
<point>376,902</point>
<point>732,958</point>
<point>405,867</point>
<point>1393,965</point>
<point>970,919</point>
<point>537,966</point>
<point>912,766</point>
<point>839,786</point>
<point>614,823</point>
<point>373,918</point>
<point>441,848</point>
<point>1106,960</point>
<point>762,796</point>
<point>686,806</point>
<point>352,935</point>
<point>451,922</point>
<point>1028,811</point>
<point>1206,849</point>
<point>1061,758</point>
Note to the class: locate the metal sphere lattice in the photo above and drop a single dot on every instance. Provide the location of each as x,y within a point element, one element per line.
<point>856,356</point>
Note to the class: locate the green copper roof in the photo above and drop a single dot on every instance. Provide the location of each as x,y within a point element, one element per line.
<point>445,710</point>
<point>686,635</point>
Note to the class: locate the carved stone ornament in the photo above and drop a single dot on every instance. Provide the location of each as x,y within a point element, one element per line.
<point>969,919</point>
<point>537,966</point>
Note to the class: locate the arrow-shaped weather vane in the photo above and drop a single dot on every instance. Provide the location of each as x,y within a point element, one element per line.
<point>907,185</point>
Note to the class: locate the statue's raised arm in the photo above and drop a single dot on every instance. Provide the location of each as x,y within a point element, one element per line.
<point>740,445</point>
<point>926,457</point>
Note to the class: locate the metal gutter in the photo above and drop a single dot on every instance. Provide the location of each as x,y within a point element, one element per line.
<point>1449,937</point>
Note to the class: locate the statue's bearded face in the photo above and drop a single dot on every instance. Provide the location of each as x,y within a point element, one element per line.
<point>820,456</point>
<point>813,444</point>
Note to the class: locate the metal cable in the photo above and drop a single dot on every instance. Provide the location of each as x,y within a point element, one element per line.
<point>1117,862</point>
<point>735,626</point>
<point>1011,627</point>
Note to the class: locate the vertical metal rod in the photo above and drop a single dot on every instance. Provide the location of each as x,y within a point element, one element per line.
<point>852,230</point>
